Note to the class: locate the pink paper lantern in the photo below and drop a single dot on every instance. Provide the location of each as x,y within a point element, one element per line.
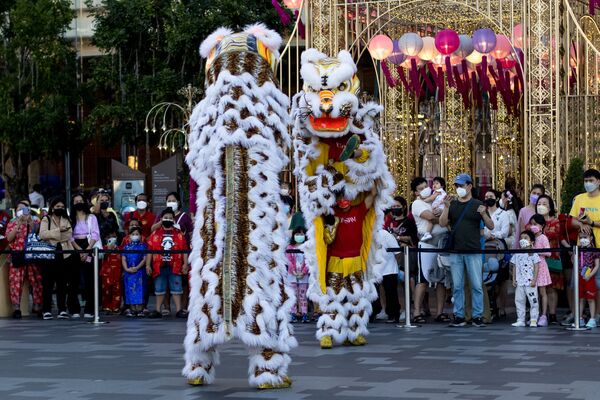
<point>503,47</point>
<point>381,47</point>
<point>447,41</point>
<point>518,35</point>
<point>293,4</point>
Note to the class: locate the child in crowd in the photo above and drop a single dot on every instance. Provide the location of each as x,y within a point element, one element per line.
<point>525,275</point>
<point>167,268</point>
<point>436,199</point>
<point>134,276</point>
<point>537,223</point>
<point>298,275</point>
<point>111,276</point>
<point>588,268</point>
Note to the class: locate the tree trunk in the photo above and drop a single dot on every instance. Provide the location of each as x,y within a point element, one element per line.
<point>16,178</point>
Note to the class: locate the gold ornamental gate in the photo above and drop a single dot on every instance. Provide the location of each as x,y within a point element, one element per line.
<point>558,114</point>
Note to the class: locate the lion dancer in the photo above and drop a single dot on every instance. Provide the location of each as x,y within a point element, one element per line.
<point>239,134</point>
<point>344,186</point>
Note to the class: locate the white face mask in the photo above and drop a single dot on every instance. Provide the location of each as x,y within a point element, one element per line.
<point>284,192</point>
<point>461,192</point>
<point>141,205</point>
<point>425,192</point>
<point>584,242</point>
<point>135,238</point>
<point>524,243</point>
<point>111,241</point>
<point>19,213</point>
<point>173,205</point>
<point>590,186</point>
<point>543,210</point>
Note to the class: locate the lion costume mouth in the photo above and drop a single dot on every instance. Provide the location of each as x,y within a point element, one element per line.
<point>329,124</point>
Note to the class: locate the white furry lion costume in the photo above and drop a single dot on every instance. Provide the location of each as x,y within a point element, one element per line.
<point>342,173</point>
<point>239,134</point>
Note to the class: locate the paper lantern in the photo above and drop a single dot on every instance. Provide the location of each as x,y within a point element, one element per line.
<point>484,40</point>
<point>428,51</point>
<point>466,46</point>
<point>411,44</point>
<point>518,35</point>
<point>381,47</point>
<point>503,47</point>
<point>397,57</point>
<point>447,41</point>
<point>475,57</point>
<point>293,4</point>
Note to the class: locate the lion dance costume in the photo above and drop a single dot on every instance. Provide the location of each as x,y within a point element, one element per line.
<point>239,133</point>
<point>344,187</point>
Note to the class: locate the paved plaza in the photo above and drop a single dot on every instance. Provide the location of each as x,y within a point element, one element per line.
<point>142,359</point>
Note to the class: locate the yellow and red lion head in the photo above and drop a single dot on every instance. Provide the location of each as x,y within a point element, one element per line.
<point>330,94</point>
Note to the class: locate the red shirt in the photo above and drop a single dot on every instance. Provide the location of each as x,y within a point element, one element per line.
<point>162,239</point>
<point>349,236</point>
<point>147,220</point>
<point>111,266</point>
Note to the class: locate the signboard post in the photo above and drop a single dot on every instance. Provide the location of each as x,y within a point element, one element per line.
<point>127,183</point>
<point>164,181</point>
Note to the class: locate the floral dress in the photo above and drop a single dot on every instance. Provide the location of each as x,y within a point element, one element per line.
<point>553,233</point>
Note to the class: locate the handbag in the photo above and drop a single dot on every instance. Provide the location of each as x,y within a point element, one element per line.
<point>450,239</point>
<point>18,259</point>
<point>35,246</point>
<point>554,265</point>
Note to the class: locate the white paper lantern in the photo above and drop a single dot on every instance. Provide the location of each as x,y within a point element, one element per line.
<point>428,51</point>
<point>411,44</point>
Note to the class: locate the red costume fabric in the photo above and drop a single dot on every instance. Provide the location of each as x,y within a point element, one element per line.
<point>112,287</point>
<point>162,239</point>
<point>147,220</point>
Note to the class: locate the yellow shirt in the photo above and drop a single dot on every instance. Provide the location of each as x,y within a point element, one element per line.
<point>583,203</point>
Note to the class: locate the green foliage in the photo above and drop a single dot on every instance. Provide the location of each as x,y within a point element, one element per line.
<point>573,184</point>
<point>152,51</point>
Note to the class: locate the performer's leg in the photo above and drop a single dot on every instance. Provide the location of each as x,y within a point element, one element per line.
<point>332,324</point>
<point>358,309</point>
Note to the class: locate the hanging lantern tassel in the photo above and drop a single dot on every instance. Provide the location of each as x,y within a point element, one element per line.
<point>283,16</point>
<point>520,74</point>
<point>301,30</point>
<point>451,82</point>
<point>476,92</point>
<point>485,82</point>
<point>438,78</point>
<point>516,95</point>
<point>494,98</point>
<point>388,74</point>
<point>414,78</point>
<point>428,82</point>
<point>402,75</point>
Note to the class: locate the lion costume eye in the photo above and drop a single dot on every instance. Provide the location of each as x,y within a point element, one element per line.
<point>343,86</point>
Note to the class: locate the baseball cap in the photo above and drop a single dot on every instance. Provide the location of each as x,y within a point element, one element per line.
<point>463,179</point>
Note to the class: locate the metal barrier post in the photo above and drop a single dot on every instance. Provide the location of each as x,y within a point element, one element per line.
<point>407,323</point>
<point>96,320</point>
<point>576,260</point>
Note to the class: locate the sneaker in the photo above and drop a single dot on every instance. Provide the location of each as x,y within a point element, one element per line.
<point>304,318</point>
<point>76,315</point>
<point>17,314</point>
<point>518,324</point>
<point>402,316</point>
<point>63,315</point>
<point>591,323</point>
<point>87,315</point>
<point>478,322</point>
<point>543,321</point>
<point>533,323</point>
<point>181,314</point>
<point>47,315</point>
<point>458,322</point>
<point>154,314</point>
<point>129,313</point>
<point>552,319</point>
<point>165,312</point>
<point>567,320</point>
<point>427,236</point>
<point>293,318</point>
<point>381,315</point>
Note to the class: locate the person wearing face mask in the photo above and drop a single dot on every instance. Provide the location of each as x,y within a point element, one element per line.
<point>465,216</point>
<point>134,276</point>
<point>586,206</point>
<point>552,230</point>
<point>86,234</point>
<point>166,269</point>
<point>589,264</point>
<point>111,276</point>
<point>526,268</point>
<point>526,213</point>
<point>56,229</point>
<point>107,218</point>
<point>508,203</point>
<point>19,269</point>
<point>183,221</point>
<point>142,214</point>
<point>286,196</point>
<point>298,276</point>
<point>498,215</point>
<point>537,224</point>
